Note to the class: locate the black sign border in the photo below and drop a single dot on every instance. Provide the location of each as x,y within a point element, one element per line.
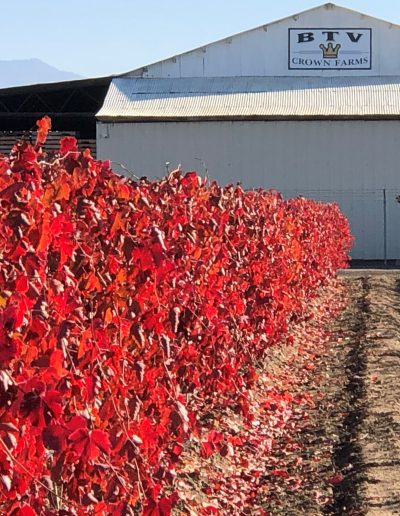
<point>332,28</point>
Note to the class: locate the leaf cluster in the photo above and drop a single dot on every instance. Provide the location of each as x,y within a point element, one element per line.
<point>121,302</point>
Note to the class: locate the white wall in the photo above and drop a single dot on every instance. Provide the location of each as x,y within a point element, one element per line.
<point>347,161</point>
<point>264,51</point>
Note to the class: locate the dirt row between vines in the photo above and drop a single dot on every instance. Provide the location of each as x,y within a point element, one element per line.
<point>340,450</point>
<point>371,431</point>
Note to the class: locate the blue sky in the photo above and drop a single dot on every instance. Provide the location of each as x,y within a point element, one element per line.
<point>102,37</point>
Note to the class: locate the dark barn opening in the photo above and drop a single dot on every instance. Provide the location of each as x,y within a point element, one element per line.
<point>71,105</point>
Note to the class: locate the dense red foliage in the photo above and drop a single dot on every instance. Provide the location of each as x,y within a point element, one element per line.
<point>120,302</point>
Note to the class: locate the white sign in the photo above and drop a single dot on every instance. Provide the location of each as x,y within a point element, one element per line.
<point>330,49</point>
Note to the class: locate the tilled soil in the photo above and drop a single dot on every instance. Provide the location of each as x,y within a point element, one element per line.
<point>369,448</point>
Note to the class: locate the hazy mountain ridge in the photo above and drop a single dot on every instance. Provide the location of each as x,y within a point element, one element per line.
<point>31,71</point>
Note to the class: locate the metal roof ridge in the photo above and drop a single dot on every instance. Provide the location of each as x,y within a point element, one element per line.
<point>328,5</point>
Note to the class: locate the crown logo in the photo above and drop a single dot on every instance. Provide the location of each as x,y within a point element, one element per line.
<point>330,52</point>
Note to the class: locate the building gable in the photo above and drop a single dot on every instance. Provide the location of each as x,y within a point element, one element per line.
<point>325,41</point>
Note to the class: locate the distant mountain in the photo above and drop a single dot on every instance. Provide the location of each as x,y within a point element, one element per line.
<point>31,71</point>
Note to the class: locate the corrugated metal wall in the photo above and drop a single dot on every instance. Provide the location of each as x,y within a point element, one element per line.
<point>347,161</point>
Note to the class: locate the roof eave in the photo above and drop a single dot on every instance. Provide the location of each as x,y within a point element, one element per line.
<point>234,118</point>
<point>54,86</point>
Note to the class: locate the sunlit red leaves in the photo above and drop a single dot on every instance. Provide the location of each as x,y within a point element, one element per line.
<point>44,126</point>
<point>68,144</point>
<point>280,473</point>
<point>160,507</point>
<point>211,444</point>
<point>25,510</point>
<point>57,361</point>
<point>121,303</point>
<point>22,284</point>
<point>88,444</point>
<point>45,234</point>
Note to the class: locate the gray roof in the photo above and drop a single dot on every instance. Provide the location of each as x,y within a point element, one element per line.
<point>251,98</point>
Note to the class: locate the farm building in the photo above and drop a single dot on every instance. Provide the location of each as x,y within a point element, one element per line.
<point>72,106</point>
<point>307,105</point>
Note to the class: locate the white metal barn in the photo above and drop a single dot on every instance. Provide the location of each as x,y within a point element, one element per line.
<point>308,105</point>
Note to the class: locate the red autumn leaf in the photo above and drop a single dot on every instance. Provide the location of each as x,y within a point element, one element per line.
<point>88,444</point>
<point>9,348</point>
<point>13,315</point>
<point>5,463</point>
<point>123,191</point>
<point>93,283</point>
<point>26,510</point>
<point>52,401</point>
<point>144,257</point>
<point>117,225</point>
<point>9,192</point>
<point>22,284</point>
<point>57,362</point>
<point>280,473</point>
<point>191,179</point>
<point>45,233</point>
<point>68,144</point>
<point>80,441</point>
<point>44,126</point>
<point>162,507</point>
<point>101,440</point>
<point>75,423</point>
<point>63,192</point>
<point>207,449</point>
<point>215,437</point>
<point>62,226</point>
<point>335,480</point>
<point>54,437</point>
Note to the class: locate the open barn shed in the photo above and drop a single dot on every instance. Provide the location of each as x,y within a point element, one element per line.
<point>307,105</point>
<point>72,106</point>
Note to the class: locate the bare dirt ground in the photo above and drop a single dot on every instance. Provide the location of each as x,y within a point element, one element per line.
<point>370,441</point>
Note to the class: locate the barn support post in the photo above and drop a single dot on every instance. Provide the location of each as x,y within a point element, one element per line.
<point>384,227</point>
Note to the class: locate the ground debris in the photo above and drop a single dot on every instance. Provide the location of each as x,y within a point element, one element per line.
<point>281,459</point>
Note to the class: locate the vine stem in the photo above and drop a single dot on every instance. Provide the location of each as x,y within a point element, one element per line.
<point>30,474</point>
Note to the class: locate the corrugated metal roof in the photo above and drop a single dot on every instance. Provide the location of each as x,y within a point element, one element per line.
<point>251,97</point>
